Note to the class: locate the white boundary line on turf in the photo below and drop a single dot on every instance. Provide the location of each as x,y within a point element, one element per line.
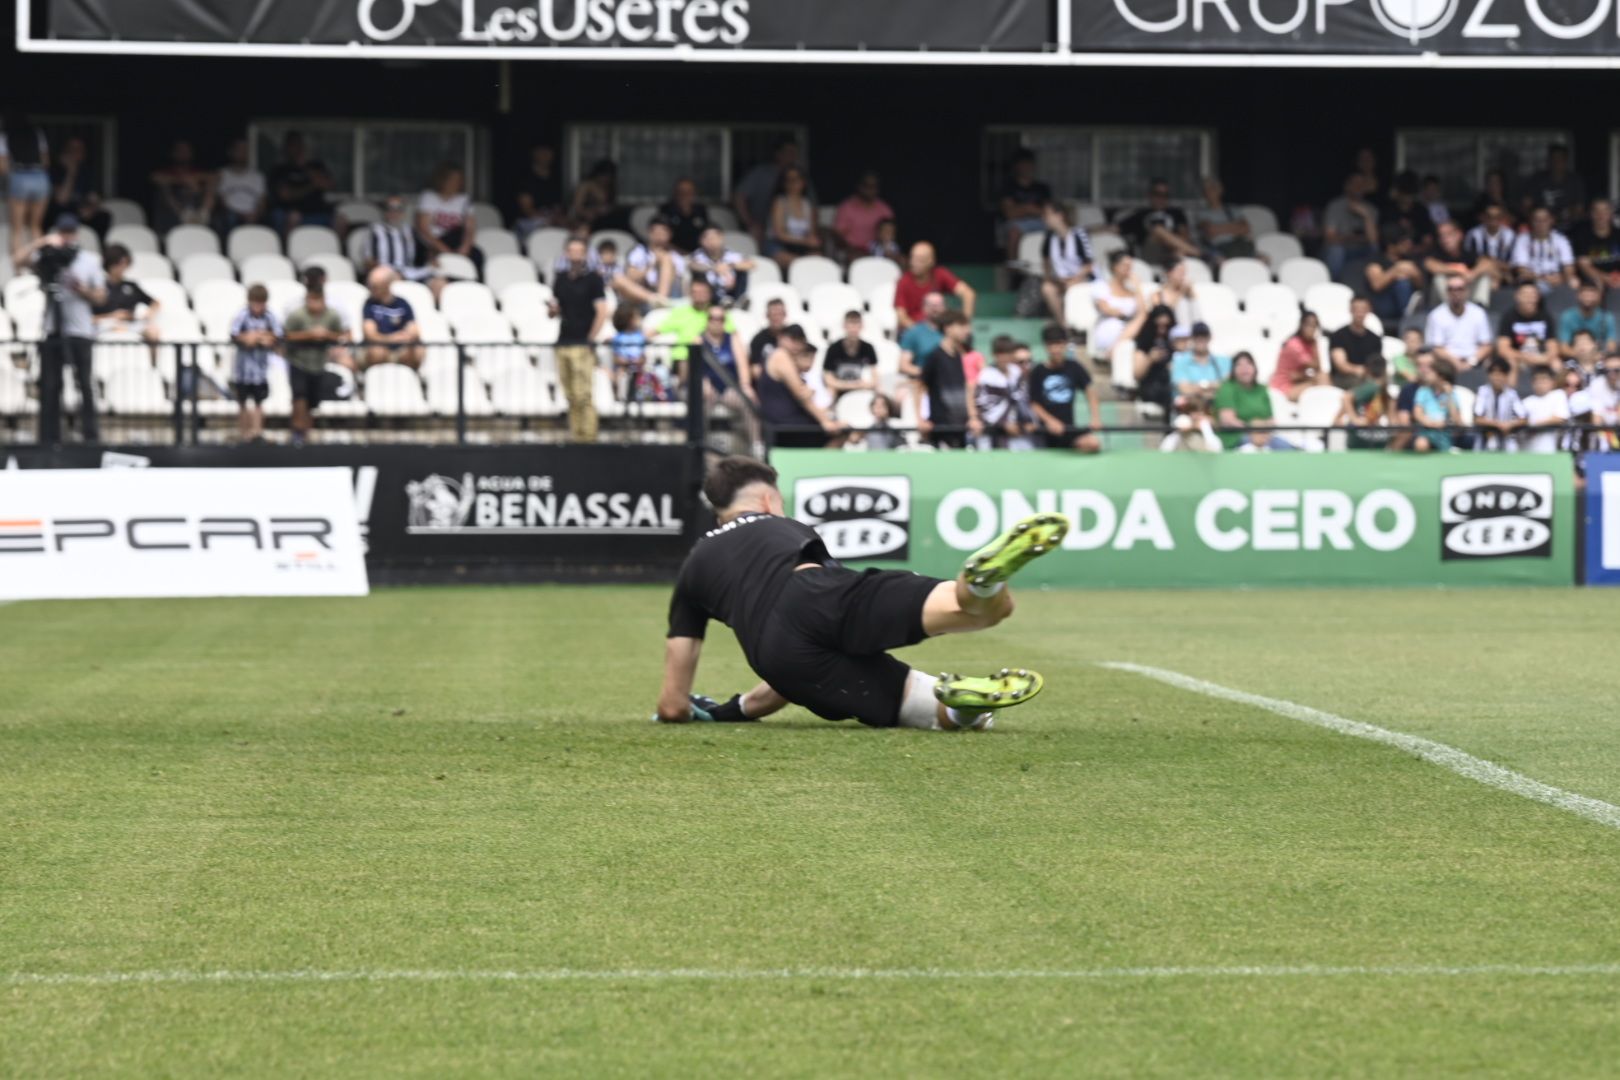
<point>561,975</point>
<point>1447,757</point>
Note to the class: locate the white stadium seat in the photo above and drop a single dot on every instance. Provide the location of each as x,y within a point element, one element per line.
<point>246,241</point>
<point>765,272</point>
<point>830,301</point>
<point>286,296</point>
<point>1276,247</point>
<point>724,217</point>
<point>186,240</point>
<point>466,296</point>
<point>1079,309</point>
<point>1300,274</point>
<point>1104,244</point>
<point>358,246</point>
<point>149,264</point>
<point>456,267</point>
<point>742,242</point>
<point>1240,275</point>
<point>522,296</point>
<point>216,303</point>
<point>355,212</point>
<point>503,271</point>
<point>394,390</point>
<point>869,271</point>
<point>134,237</point>
<point>260,269</point>
<point>18,287</point>
<point>524,392</point>
<point>760,296</point>
<point>416,294</point>
<point>808,271</point>
<point>1269,300</point>
<point>170,294</point>
<point>1197,270</point>
<point>1331,302</point>
<point>307,240</point>
<point>1260,218</point>
<point>621,239</point>
<point>488,216</point>
<point>348,299</point>
<point>1212,300</point>
<point>124,212</point>
<point>641,217</point>
<point>546,247</point>
<point>337,266</point>
<point>197,269</point>
<point>496,242</point>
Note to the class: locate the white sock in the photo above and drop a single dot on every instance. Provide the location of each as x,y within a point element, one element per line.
<point>984,592</point>
<point>964,719</point>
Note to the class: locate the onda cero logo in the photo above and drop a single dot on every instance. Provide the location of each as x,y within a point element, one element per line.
<point>1491,516</point>
<point>858,517</point>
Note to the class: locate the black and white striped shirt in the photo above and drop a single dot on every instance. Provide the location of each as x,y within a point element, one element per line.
<point>1481,244</point>
<point>1068,252</point>
<point>393,245</point>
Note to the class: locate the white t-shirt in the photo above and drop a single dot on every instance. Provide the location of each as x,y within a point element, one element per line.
<point>443,214</point>
<point>1541,409</point>
<point>241,189</point>
<point>1489,405</point>
<point>1605,402</point>
<point>1461,335</point>
<point>1543,257</point>
<point>641,257</point>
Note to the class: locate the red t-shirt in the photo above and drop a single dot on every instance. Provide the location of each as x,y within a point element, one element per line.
<point>1294,360</point>
<point>909,292</point>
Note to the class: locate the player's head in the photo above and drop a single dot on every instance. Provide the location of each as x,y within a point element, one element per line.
<point>742,485</point>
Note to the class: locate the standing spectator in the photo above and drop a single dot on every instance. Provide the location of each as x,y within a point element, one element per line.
<point>1223,232</point>
<point>786,399</point>
<point>1067,255</point>
<point>1543,255</point>
<point>596,199</point>
<point>923,336</point>
<point>793,230</point>
<point>1392,279</point>
<point>1198,372</point>
<point>388,323</point>
<point>1498,412</point>
<point>69,331</point>
<point>850,363</point>
<point>924,275</point>
<point>1492,240</point>
<point>1159,231</point>
<point>1525,335</point>
<point>725,270</point>
<point>1154,353</point>
<point>1605,395</point>
<point>1121,304</point>
<point>1596,245</point>
<point>944,377</point>
<point>653,271</point>
<point>1588,316</point>
<point>73,187</point>
<point>1053,387</point>
<point>1453,255</point>
<point>886,243</point>
<point>445,221</point>
<point>25,162</point>
<point>766,341</point>
<point>118,314</point>
<point>688,219</point>
<point>1406,213</point>
<point>1243,409</point>
<point>1299,364</point>
<point>1555,187</point>
<point>1546,411</point>
<point>298,188</point>
<point>1356,351</point>
<point>1459,330</point>
<point>1431,195</point>
<point>858,217</point>
<point>755,192</point>
<point>1434,408</point>
<point>243,191</point>
<point>392,243</point>
<point>1022,202</point>
<point>183,193</point>
<point>1002,397</point>
<point>1349,226</point>
<point>315,334</point>
<point>580,302</point>
<point>539,199</point>
<point>727,380</point>
<point>255,332</point>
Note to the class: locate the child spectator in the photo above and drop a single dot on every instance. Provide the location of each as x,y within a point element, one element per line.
<point>1546,411</point>
<point>255,332</point>
<point>1580,408</point>
<point>880,434</point>
<point>1434,408</point>
<point>607,260</point>
<point>1053,388</point>
<point>886,243</point>
<point>1404,368</point>
<point>1498,412</point>
<point>1003,400</point>
<point>850,363</point>
<point>639,378</point>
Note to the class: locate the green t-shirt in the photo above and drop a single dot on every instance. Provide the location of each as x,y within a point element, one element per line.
<point>1250,403</point>
<point>686,324</point>
<point>308,355</point>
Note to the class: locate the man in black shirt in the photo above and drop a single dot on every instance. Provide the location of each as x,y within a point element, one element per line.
<point>941,374</point>
<point>765,342</point>
<point>686,216</point>
<point>539,193</point>
<point>850,363</point>
<point>1596,244</point>
<point>1022,202</point>
<point>819,634</point>
<point>298,188</point>
<point>1053,387</point>
<point>1356,353</point>
<point>580,303</point>
<point>1159,232</point>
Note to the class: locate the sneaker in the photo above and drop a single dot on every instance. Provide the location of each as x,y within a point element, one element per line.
<point>1006,554</point>
<point>1001,690</point>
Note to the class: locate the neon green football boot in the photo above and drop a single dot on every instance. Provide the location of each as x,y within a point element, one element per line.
<point>1001,690</point>
<point>1008,553</point>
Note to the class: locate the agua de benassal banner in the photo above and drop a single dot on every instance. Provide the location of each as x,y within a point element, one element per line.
<point>102,533</point>
<point>1148,519</point>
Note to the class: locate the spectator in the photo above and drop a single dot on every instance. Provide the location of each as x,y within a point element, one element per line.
<point>1498,412</point>
<point>1121,304</point>
<point>1022,202</point>
<point>1453,255</point>
<point>298,188</point>
<point>765,342</point>
<point>1459,330</point>
<point>1495,193</point>
<point>1178,293</point>
<point>1197,372</point>
<point>1299,363</point>
<point>596,199</point>
<point>1159,231</point>
<point>25,162</point>
<point>1153,355</point>
<point>943,376</point>
<point>1543,255</point>
<point>886,243</point>
<point>653,271</point>
<point>69,331</point>
<point>445,221</point>
<point>880,434</point>
<point>255,332</point>
<point>119,313</point>
<point>792,231</point>
<point>1492,240</point>
<point>1546,411</point>
<point>1366,166</point>
<point>787,401</point>
<point>1588,316</point>
<point>1434,408</point>
<point>580,302</point>
<point>1243,409</point>
<point>1431,195</point>
<point>243,191</point>
<point>1356,351</point>
<point>1403,368</point>
<point>858,217</point>
<point>1555,187</point>
<point>606,262</point>
<point>758,188</point>
<point>923,336</point>
<point>1066,255</point>
<point>1053,387</point>
<point>73,186</point>
<point>639,377</point>
<point>850,362</point>
<point>1406,401</point>
<point>1583,352</point>
<point>688,218</point>
<point>392,243</point>
<point>1524,334</point>
<point>727,380</point>
<point>391,335</point>
<point>1580,412</point>
<point>1605,394</point>
<point>1002,394</point>
<point>1222,231</point>
<point>315,335</point>
<point>726,270</point>
<point>1596,245</point>
<point>539,199</point>
<point>1392,279</point>
<point>923,276</point>
<point>684,323</point>
<point>1406,213</point>
<point>1349,226</point>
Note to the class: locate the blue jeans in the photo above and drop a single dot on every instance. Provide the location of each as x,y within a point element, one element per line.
<point>1338,256</point>
<point>1390,305</point>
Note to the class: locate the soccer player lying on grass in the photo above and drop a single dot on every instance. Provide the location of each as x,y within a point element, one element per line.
<point>819,634</point>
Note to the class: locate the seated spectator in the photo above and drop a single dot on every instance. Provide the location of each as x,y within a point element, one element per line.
<point>1022,201</point>
<point>1299,363</point>
<point>726,270</point>
<point>1589,316</point>
<point>653,271</point>
<point>1605,395</point>
<point>1431,196</point>
<point>1053,388</point>
<point>886,243</point>
<point>1002,394</point>
<point>1391,280</point>
<point>684,323</point>
<point>1403,369</point>
<point>1596,245</point>
<point>755,191</point>
<point>392,243</point>
<point>596,199</point>
<point>639,377</point>
<point>1557,188</point>
<point>1066,256</point>
<point>1434,408</point>
<point>1583,352</point>
<point>1452,255</point>
<point>119,314</point>
<point>1491,242</point>
<point>1154,352</point>
<point>793,230</point>
<point>688,218</point>
<point>1356,352</point>
<point>539,201</point>
<point>923,336</point>
<point>1404,212</point>
<point>1242,409</point>
<point>255,332</point>
<point>1543,256</point>
<point>786,399</point>
<point>858,217</point>
<point>243,190</point>
<point>1546,412</point>
<point>445,222</point>
<point>1121,304</point>
<point>880,434</point>
<point>74,189</point>
<point>1495,193</point>
<point>183,194</point>
<point>1349,227</point>
<point>1179,293</point>
<point>1159,232</point>
<point>1406,401</point>
<point>1365,412</point>
<point>942,374</point>
<point>924,275</point>
<point>1498,412</point>
<point>850,363</point>
<point>391,333</point>
<point>765,342</point>
<point>315,336</point>
<point>727,379</point>
<point>1222,231</point>
<point>1459,331</point>
<point>1524,334</point>
<point>1197,372</point>
<point>299,188</point>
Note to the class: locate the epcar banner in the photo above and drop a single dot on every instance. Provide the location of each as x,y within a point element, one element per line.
<point>1603,519</point>
<point>83,533</point>
<point>632,28</point>
<point>1190,519</point>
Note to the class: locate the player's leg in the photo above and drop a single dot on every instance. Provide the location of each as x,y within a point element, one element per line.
<point>963,703</point>
<point>978,598</point>
<point>757,704</point>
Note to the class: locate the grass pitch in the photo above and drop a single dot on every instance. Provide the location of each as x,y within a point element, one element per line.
<point>463,782</point>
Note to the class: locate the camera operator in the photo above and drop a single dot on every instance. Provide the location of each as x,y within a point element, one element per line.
<point>74,283</point>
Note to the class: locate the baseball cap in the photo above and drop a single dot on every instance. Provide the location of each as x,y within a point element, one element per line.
<point>1200,329</point>
<point>66,223</point>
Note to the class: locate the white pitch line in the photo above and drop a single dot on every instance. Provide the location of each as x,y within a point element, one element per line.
<point>564,975</point>
<point>1447,757</point>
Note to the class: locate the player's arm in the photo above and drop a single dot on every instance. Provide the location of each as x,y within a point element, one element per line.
<point>680,669</point>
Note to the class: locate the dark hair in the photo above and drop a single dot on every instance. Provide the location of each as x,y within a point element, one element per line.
<point>1396,235</point>
<point>115,254</point>
<point>792,332</point>
<point>699,279</point>
<point>854,314</point>
<point>776,301</point>
<point>730,475</point>
<point>314,277</point>
<point>952,318</point>
<point>660,220</point>
<point>443,173</point>
<point>1115,257</point>
<point>1307,316</point>
<point>1052,333</point>
<point>315,292</point>
<point>1583,330</point>
<point>623,316</point>
<point>1443,368</point>
<point>1004,343</point>
<point>1023,155</point>
<point>607,245</point>
<point>1155,181</point>
<point>258,294</point>
<point>1244,355</point>
<point>1499,365</point>
<point>782,178</point>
